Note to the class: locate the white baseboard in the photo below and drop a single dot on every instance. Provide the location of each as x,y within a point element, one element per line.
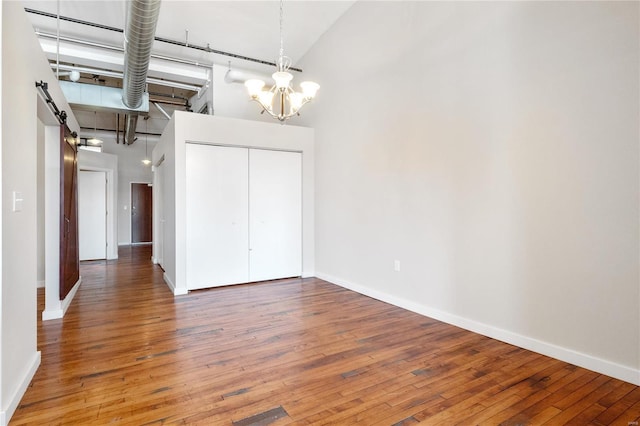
<point>61,308</point>
<point>14,400</point>
<point>40,284</point>
<point>67,300</point>
<point>174,290</point>
<point>571,356</point>
<point>51,314</point>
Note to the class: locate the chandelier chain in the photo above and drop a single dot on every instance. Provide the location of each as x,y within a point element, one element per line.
<point>281,36</point>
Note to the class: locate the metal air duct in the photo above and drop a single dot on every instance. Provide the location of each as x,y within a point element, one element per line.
<point>139,33</point>
<point>240,76</point>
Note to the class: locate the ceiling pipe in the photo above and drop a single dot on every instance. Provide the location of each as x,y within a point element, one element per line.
<point>117,74</point>
<point>240,76</point>
<point>162,110</point>
<point>138,39</point>
<point>107,132</point>
<point>140,28</point>
<point>129,132</point>
<point>103,46</point>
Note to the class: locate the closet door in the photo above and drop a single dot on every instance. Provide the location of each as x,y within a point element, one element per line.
<point>217,216</point>
<point>275,214</point>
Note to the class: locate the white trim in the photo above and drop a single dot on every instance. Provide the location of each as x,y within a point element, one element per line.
<point>172,286</point>
<point>131,216</point>
<point>40,284</point>
<point>67,300</point>
<point>111,228</point>
<point>51,314</point>
<point>6,415</point>
<point>3,418</point>
<point>571,356</point>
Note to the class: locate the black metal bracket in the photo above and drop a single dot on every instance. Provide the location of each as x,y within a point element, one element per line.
<point>60,115</point>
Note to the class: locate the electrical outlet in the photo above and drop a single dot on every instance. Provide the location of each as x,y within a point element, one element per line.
<point>17,201</point>
<point>396,265</point>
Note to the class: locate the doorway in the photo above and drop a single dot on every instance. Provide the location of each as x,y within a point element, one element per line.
<point>141,213</point>
<point>92,205</point>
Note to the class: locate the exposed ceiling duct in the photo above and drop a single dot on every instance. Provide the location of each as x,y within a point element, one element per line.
<point>240,76</point>
<point>142,18</point>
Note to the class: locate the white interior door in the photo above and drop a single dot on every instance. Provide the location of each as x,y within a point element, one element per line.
<point>275,214</point>
<point>217,216</point>
<point>92,210</point>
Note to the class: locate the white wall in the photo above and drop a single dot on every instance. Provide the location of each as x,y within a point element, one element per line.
<point>5,414</point>
<point>40,203</point>
<point>491,148</point>
<point>186,127</point>
<point>164,206</point>
<point>22,65</point>
<point>99,161</point>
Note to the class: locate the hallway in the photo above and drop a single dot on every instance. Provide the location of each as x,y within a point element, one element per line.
<point>288,352</point>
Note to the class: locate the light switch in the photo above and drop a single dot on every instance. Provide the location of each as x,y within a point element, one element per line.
<point>17,201</point>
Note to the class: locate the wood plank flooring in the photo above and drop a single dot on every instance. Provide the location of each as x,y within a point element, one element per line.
<point>289,352</point>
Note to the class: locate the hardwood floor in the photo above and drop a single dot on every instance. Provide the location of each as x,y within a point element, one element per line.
<point>289,352</point>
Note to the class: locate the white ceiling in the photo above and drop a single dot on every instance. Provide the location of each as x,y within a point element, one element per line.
<point>248,28</point>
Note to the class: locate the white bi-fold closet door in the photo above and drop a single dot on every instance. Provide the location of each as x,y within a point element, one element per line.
<point>244,215</point>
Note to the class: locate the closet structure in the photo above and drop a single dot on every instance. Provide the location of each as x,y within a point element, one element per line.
<point>233,201</point>
<point>244,215</point>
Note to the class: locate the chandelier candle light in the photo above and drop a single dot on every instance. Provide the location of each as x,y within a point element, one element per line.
<point>281,101</point>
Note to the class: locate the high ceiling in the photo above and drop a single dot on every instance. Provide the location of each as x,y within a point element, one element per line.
<point>246,28</point>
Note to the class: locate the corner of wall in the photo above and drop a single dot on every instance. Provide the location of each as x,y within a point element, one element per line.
<point>3,419</point>
<point>7,413</point>
<point>67,300</point>
<point>599,365</point>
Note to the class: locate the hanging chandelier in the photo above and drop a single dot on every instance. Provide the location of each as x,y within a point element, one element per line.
<point>146,161</point>
<point>281,101</point>
<point>94,140</point>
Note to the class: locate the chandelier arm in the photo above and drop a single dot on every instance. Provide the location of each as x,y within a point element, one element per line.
<point>265,108</point>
